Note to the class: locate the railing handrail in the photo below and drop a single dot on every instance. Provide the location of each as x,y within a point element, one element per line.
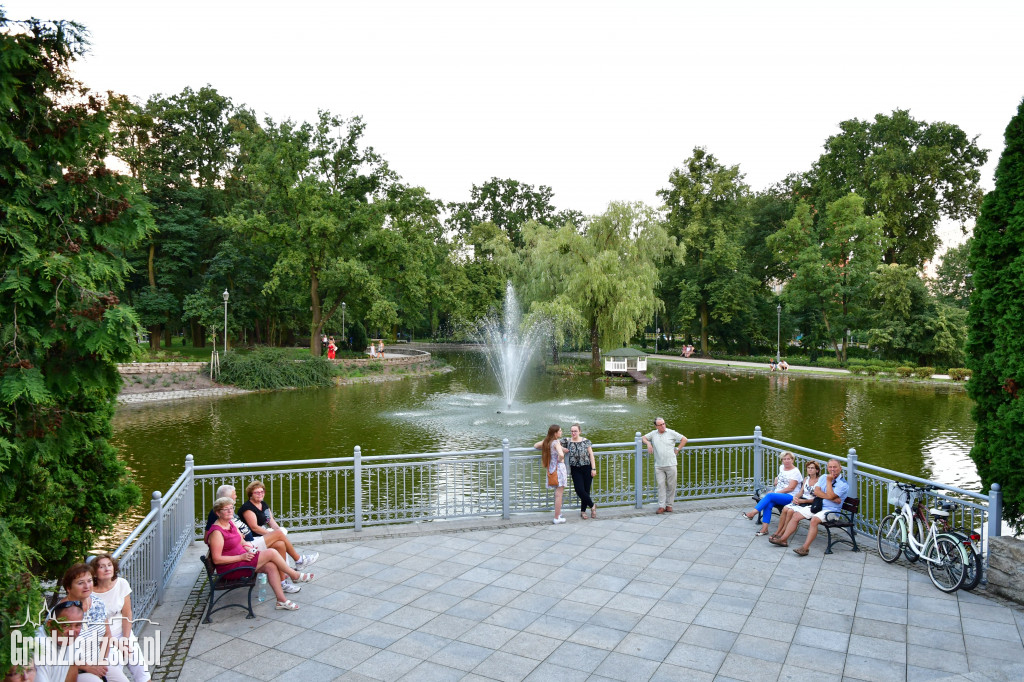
<point>726,466</point>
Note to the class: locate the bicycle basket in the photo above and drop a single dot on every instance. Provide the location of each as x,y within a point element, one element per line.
<point>897,497</point>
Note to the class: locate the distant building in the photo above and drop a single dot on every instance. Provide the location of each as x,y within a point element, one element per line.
<point>625,361</point>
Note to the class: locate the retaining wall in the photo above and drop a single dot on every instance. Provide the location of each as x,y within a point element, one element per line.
<point>1006,567</point>
<point>159,367</point>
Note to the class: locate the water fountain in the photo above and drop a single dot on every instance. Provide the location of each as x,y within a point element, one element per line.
<point>509,345</point>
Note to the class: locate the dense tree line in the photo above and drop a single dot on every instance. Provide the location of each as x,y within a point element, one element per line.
<point>294,219</point>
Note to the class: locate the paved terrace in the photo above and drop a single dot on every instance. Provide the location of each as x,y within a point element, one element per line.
<point>691,595</point>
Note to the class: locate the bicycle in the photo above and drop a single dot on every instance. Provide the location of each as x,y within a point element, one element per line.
<point>944,553</point>
<point>970,539</point>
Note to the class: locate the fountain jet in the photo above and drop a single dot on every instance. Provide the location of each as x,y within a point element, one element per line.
<point>508,345</point>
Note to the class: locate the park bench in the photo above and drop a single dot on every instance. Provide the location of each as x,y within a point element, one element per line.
<point>236,578</point>
<point>844,523</point>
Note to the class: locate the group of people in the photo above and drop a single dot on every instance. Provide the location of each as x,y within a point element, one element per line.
<point>807,496</point>
<point>781,365</point>
<point>556,451</point>
<point>87,635</point>
<point>376,351</point>
<point>253,539</point>
<point>687,351</point>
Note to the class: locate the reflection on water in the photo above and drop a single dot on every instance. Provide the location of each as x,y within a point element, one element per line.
<point>919,429</point>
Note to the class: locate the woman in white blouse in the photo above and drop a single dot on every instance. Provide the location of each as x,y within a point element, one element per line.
<point>785,483</point>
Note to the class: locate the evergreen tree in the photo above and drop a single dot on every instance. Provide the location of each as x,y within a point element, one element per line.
<point>995,344</point>
<point>65,218</point>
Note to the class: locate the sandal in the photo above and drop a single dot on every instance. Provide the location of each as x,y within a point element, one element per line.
<point>583,515</point>
<point>778,543</point>
<point>304,578</point>
<point>593,512</point>
<point>801,551</point>
<point>760,533</point>
<point>286,605</point>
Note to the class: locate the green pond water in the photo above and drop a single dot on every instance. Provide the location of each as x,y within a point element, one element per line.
<point>920,429</point>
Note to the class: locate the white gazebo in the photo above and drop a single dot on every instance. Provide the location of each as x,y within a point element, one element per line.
<point>625,361</point>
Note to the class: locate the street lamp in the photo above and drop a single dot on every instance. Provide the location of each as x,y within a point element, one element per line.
<point>225,296</point>
<point>344,338</point>
<point>778,333</point>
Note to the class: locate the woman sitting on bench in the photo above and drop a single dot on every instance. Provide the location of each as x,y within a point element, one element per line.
<point>786,482</point>
<point>801,503</point>
<point>228,550</point>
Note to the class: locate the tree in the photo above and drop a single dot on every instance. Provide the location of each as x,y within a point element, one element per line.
<point>611,272</point>
<point>64,220</point>
<point>995,346</point>
<point>312,192</point>
<point>832,261</point>
<point>909,172</point>
<point>952,284</point>
<point>509,204</point>
<point>179,146</point>
<point>707,215</point>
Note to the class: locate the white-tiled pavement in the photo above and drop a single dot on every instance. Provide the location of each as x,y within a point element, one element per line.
<point>690,595</point>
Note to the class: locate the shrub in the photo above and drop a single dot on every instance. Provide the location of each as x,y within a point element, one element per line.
<point>269,368</point>
<point>959,373</point>
<point>904,371</point>
<point>924,372</point>
<point>828,361</point>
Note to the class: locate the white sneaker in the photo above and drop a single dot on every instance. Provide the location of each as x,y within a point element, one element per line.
<point>307,560</point>
<point>560,519</point>
<point>290,587</point>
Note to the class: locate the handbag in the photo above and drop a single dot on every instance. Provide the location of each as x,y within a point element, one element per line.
<point>816,504</point>
<point>553,478</point>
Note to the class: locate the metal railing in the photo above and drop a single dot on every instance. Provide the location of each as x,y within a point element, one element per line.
<point>353,492</point>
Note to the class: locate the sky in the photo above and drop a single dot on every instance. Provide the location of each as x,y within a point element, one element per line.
<point>598,100</point>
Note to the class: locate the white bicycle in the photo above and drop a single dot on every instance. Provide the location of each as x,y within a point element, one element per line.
<point>943,552</point>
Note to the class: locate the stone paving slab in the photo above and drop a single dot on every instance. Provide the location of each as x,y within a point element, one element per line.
<point>691,595</point>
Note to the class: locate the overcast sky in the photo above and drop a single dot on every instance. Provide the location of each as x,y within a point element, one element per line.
<point>598,100</point>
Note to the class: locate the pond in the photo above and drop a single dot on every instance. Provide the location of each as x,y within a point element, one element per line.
<point>920,429</point>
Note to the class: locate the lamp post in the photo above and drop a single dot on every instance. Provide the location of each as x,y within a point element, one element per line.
<point>778,333</point>
<point>225,296</point>
<point>344,337</point>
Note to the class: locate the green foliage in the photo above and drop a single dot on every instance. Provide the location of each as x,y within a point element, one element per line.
<point>64,220</point>
<point>953,280</point>
<point>911,175</point>
<point>924,372</point>
<point>959,373</point>
<point>904,372</point>
<point>272,368</point>
<point>995,347</point>
<point>712,286</point>
<point>508,205</point>
<point>832,257</point>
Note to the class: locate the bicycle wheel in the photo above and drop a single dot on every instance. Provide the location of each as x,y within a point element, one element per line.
<point>890,538</point>
<point>946,564</point>
<point>920,531</point>
<point>973,573</point>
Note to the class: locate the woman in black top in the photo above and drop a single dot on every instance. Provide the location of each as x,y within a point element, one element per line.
<point>583,468</point>
<point>260,519</point>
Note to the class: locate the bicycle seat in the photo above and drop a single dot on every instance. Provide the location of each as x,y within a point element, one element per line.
<point>939,513</point>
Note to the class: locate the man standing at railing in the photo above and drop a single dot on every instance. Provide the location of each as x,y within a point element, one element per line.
<point>662,444</point>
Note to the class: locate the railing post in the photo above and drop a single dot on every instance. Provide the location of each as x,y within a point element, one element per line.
<point>190,494</point>
<point>157,504</point>
<point>995,511</point>
<point>638,473</point>
<point>357,473</point>
<point>758,458</point>
<point>506,471</point>
<point>851,472</point>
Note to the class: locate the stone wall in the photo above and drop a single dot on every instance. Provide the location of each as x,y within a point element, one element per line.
<point>159,367</point>
<point>408,357</point>
<point>1006,568</point>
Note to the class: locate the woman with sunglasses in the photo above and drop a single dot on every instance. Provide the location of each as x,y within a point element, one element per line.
<point>95,634</point>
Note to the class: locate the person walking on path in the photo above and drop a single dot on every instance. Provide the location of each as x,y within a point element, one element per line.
<point>662,444</point>
<point>583,468</point>
<point>552,455</point>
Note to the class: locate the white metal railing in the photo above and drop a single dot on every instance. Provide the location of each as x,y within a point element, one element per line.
<point>353,492</point>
